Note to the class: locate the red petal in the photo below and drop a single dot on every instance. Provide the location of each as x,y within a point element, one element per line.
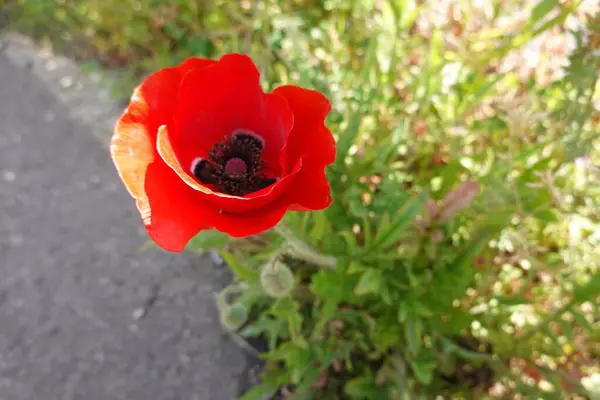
<point>223,201</point>
<point>253,222</point>
<point>310,189</point>
<point>309,137</point>
<point>132,144</point>
<point>225,97</point>
<point>193,63</point>
<point>173,213</point>
<point>152,105</point>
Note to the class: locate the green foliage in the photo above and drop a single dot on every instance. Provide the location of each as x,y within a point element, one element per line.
<point>465,206</point>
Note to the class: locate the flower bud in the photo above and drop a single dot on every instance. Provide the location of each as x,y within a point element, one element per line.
<point>277,279</point>
<point>234,316</point>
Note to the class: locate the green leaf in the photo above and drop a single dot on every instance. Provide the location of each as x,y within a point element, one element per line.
<point>367,232</point>
<point>546,216</point>
<point>208,239</point>
<point>386,295</point>
<point>325,313</point>
<point>265,324</point>
<point>588,291</point>
<point>350,240</point>
<point>542,9</point>
<point>295,327</point>
<point>370,282</point>
<point>403,218</point>
<point>403,311</point>
<point>261,392</point>
<point>299,361</point>
<point>146,246</point>
<point>336,286</point>
<point>422,310</point>
<point>413,330</point>
<point>462,266</point>
<point>252,330</point>
<point>566,328</point>
<point>455,322</point>
<point>360,388</point>
<point>385,335</point>
<point>451,281</point>
<point>355,119</point>
<point>199,46</point>
<point>319,227</point>
<point>512,300</point>
<point>240,270</point>
<point>423,370</point>
<point>450,346</point>
<point>582,321</point>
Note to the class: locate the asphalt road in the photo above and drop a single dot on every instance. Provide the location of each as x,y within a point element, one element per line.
<point>83,314</point>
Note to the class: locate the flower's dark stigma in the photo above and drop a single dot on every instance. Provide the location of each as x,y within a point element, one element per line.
<point>234,166</point>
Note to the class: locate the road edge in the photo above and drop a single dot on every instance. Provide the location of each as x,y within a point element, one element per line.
<point>86,95</point>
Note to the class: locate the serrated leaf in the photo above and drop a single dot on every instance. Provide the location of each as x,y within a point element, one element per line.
<point>326,286</point>
<point>370,282</point>
<point>263,325</point>
<point>243,272</point>
<point>335,285</point>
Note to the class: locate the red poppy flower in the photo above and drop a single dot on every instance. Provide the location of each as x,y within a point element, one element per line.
<point>201,146</point>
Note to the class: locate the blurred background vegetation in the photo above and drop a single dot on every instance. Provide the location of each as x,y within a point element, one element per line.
<point>427,95</point>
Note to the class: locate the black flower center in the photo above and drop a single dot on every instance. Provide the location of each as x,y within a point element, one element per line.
<point>234,166</point>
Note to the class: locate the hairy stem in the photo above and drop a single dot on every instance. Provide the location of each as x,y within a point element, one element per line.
<point>299,249</point>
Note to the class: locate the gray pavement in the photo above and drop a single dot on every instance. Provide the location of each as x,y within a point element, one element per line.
<point>83,314</point>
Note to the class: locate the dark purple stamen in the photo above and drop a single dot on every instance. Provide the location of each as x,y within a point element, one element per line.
<point>234,166</point>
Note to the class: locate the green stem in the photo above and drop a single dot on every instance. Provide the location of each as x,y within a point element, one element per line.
<point>298,248</point>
